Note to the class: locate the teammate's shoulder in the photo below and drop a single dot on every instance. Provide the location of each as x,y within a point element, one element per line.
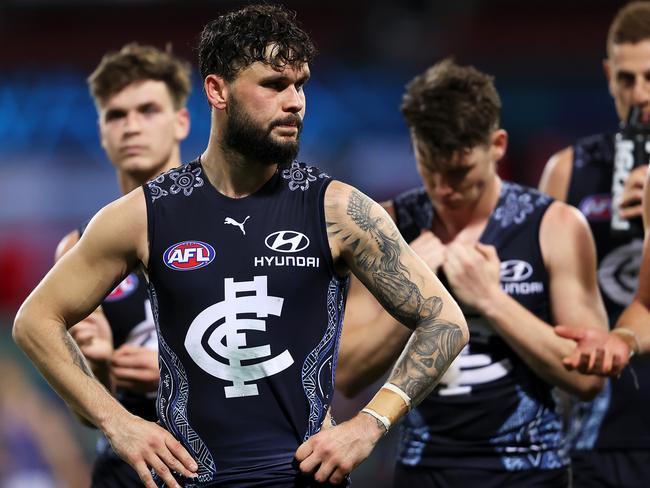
<point>523,193</point>
<point>302,176</point>
<point>181,180</point>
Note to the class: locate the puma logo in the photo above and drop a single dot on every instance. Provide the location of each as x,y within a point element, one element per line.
<point>232,221</point>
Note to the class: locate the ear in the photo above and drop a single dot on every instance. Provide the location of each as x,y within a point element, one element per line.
<point>182,124</point>
<point>216,89</point>
<point>607,68</point>
<point>499,144</point>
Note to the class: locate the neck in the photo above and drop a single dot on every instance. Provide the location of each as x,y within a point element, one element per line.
<point>449,222</point>
<point>230,173</point>
<point>130,180</point>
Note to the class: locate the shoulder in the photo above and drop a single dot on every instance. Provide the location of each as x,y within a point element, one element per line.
<point>302,176</point>
<point>66,244</point>
<point>182,180</point>
<point>562,229</point>
<point>557,174</point>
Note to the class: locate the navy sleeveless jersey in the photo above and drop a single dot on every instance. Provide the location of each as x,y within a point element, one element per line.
<point>128,311</point>
<point>490,410</point>
<point>617,418</point>
<point>249,312</point>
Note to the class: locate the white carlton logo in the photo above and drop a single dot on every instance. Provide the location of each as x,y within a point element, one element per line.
<point>287,241</point>
<point>515,270</point>
<point>233,349</point>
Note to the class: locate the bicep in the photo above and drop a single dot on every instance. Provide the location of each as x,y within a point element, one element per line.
<point>79,281</point>
<point>569,253</point>
<point>379,257</point>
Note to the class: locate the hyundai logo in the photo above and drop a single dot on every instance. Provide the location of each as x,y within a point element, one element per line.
<point>287,241</point>
<point>515,270</point>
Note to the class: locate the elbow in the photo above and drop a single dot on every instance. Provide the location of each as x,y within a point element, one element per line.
<point>589,389</point>
<point>20,330</point>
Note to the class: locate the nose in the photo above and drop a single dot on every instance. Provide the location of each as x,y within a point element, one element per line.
<point>294,99</point>
<point>641,91</point>
<point>132,123</point>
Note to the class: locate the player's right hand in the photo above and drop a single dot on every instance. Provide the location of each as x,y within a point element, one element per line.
<point>146,445</point>
<point>430,249</point>
<point>94,337</point>
<point>597,351</point>
<point>632,197</point>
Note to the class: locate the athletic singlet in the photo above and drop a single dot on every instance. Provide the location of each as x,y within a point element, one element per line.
<point>490,411</point>
<point>617,418</point>
<point>249,312</point>
<point>128,311</point>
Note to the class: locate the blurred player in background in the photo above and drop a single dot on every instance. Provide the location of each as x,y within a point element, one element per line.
<point>611,435</point>
<point>494,420</point>
<point>140,93</point>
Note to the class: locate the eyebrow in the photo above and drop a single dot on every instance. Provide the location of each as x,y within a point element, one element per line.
<point>280,77</point>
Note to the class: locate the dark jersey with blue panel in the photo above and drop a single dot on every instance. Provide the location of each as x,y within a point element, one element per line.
<point>490,411</point>
<point>617,418</point>
<point>249,311</point>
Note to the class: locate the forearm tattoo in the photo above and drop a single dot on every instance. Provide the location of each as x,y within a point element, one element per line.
<point>435,342</point>
<point>77,357</point>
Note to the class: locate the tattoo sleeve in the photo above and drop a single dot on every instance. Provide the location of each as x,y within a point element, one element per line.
<point>375,249</point>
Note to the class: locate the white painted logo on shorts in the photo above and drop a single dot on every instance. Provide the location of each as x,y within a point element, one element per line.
<point>229,343</point>
<point>287,241</point>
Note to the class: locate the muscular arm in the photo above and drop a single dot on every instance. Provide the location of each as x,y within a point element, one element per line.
<point>93,334</point>
<point>115,241</point>
<point>363,236</point>
<point>570,258</point>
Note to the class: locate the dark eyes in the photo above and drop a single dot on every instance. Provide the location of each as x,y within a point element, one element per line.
<point>628,79</point>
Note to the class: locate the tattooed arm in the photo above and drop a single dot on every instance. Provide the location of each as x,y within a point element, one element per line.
<point>115,241</point>
<point>364,239</point>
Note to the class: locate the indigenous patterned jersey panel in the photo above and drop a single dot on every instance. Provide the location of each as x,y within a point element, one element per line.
<point>249,311</point>
<point>617,418</point>
<point>490,410</point>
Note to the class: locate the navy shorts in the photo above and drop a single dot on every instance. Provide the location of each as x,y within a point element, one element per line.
<point>611,469</point>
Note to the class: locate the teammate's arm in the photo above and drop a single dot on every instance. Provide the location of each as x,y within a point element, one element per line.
<point>115,241</point>
<point>570,259</point>
<point>364,239</point>
<point>608,353</point>
<point>557,174</point>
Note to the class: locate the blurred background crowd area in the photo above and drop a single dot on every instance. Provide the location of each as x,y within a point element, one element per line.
<point>546,57</point>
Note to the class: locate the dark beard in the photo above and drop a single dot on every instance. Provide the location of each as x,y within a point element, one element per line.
<point>255,143</point>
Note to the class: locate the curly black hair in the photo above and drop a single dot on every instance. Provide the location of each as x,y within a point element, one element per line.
<point>451,108</point>
<point>239,38</point>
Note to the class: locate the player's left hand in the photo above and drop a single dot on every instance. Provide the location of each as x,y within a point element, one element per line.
<point>597,350</point>
<point>473,272</point>
<point>632,197</point>
<point>135,368</point>
<point>333,453</point>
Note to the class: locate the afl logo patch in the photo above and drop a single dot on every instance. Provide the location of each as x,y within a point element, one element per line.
<point>597,207</point>
<point>188,255</point>
<point>515,270</point>
<point>287,241</point>
<point>124,289</point>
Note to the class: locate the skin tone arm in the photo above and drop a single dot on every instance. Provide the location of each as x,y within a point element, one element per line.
<point>364,239</point>
<point>114,243</point>
<point>608,353</point>
<point>570,260</point>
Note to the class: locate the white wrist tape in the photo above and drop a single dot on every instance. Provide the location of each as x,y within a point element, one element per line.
<point>381,418</point>
<point>400,392</point>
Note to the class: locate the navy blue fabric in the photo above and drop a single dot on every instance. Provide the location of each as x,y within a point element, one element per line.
<point>248,320</point>
<point>490,411</point>
<point>617,419</point>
